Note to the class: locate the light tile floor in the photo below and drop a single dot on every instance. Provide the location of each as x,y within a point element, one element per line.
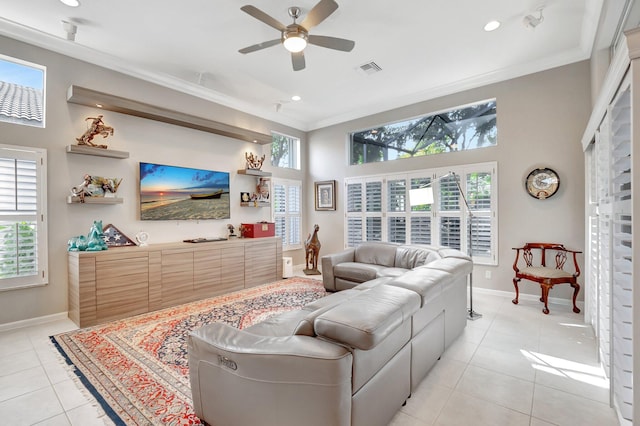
<point>514,366</point>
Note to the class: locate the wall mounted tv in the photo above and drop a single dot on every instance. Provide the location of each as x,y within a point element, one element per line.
<point>181,193</point>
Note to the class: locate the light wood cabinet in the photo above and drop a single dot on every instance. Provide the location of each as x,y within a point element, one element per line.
<point>126,281</point>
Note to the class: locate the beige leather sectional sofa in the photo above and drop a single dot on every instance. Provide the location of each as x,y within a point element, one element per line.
<point>351,358</point>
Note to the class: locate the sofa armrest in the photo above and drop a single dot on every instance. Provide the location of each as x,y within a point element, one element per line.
<point>331,260</point>
<point>240,378</point>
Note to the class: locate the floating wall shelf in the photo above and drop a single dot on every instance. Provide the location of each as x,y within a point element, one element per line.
<point>72,199</point>
<point>252,172</point>
<point>99,152</point>
<point>92,98</point>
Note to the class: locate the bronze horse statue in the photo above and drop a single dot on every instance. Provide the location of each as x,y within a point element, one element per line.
<point>97,128</point>
<point>312,250</point>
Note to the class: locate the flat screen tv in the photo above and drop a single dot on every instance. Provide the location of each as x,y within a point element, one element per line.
<point>182,193</point>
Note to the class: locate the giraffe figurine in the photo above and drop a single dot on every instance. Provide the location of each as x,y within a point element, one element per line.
<point>312,250</point>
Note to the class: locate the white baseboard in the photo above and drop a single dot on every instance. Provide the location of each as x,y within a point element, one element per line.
<point>33,321</point>
<point>526,296</point>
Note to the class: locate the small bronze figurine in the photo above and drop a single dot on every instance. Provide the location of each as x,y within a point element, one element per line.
<point>96,128</point>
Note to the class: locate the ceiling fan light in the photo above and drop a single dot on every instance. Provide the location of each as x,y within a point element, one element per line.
<point>492,26</point>
<point>295,42</point>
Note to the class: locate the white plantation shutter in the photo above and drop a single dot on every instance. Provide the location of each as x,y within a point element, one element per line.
<point>397,210</point>
<point>396,195</point>
<point>479,197</point>
<point>354,195</point>
<point>374,228</point>
<point>374,196</point>
<point>287,206</point>
<point>481,234</point>
<point>294,209</point>
<point>23,256</point>
<point>449,199</point>
<point>421,230</point>
<point>450,232</point>
<point>354,231</point>
<point>279,209</point>
<point>622,254</point>
<point>449,212</point>
<point>420,220</point>
<point>378,210</point>
<point>397,227</point>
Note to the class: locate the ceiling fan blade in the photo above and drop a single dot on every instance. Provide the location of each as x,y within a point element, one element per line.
<point>261,16</point>
<point>319,13</point>
<point>332,42</point>
<point>260,46</point>
<point>297,59</point>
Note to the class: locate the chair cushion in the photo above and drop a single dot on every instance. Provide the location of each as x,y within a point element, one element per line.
<point>545,272</point>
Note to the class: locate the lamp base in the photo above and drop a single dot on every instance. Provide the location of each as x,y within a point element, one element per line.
<point>473,315</point>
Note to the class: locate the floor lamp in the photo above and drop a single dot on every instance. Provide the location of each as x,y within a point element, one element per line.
<point>424,195</point>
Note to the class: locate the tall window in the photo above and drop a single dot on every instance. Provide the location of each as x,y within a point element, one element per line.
<point>378,210</point>
<point>285,151</point>
<point>21,92</point>
<point>287,212</point>
<point>459,129</point>
<point>23,229</point>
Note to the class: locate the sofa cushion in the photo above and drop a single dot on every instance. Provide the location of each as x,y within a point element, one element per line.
<point>304,325</point>
<point>409,257</point>
<point>383,254</point>
<point>281,325</point>
<point>368,318</point>
<point>390,272</point>
<point>453,265</point>
<point>357,272</point>
<point>373,283</point>
<point>428,283</point>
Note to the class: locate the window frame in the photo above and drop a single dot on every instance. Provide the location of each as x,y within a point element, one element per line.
<point>287,183</point>
<point>43,68</point>
<point>438,145</point>
<point>38,155</point>
<point>433,213</point>
<point>294,151</point>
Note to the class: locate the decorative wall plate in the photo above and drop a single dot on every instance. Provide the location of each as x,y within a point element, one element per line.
<point>542,183</point>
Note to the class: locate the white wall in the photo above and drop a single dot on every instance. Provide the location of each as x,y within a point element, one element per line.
<point>541,118</point>
<point>145,140</point>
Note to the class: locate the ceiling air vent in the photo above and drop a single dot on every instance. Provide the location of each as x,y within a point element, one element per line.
<point>370,68</point>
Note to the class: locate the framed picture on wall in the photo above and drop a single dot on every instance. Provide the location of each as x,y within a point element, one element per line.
<point>326,195</point>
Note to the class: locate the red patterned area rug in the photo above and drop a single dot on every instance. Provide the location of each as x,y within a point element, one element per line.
<point>137,369</point>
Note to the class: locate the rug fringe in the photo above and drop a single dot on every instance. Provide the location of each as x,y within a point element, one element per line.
<point>74,375</point>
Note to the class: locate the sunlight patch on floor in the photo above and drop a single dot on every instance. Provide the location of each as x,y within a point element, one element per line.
<point>584,373</point>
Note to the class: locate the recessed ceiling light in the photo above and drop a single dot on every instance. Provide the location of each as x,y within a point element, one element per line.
<point>492,25</point>
<point>71,3</point>
<point>99,105</point>
<point>295,98</point>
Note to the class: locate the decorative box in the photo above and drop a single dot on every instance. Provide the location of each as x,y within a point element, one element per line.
<point>260,229</point>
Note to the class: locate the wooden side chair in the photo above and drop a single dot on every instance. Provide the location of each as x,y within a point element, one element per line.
<point>536,269</point>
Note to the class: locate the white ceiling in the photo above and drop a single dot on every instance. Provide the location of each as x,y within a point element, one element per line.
<point>426,48</point>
